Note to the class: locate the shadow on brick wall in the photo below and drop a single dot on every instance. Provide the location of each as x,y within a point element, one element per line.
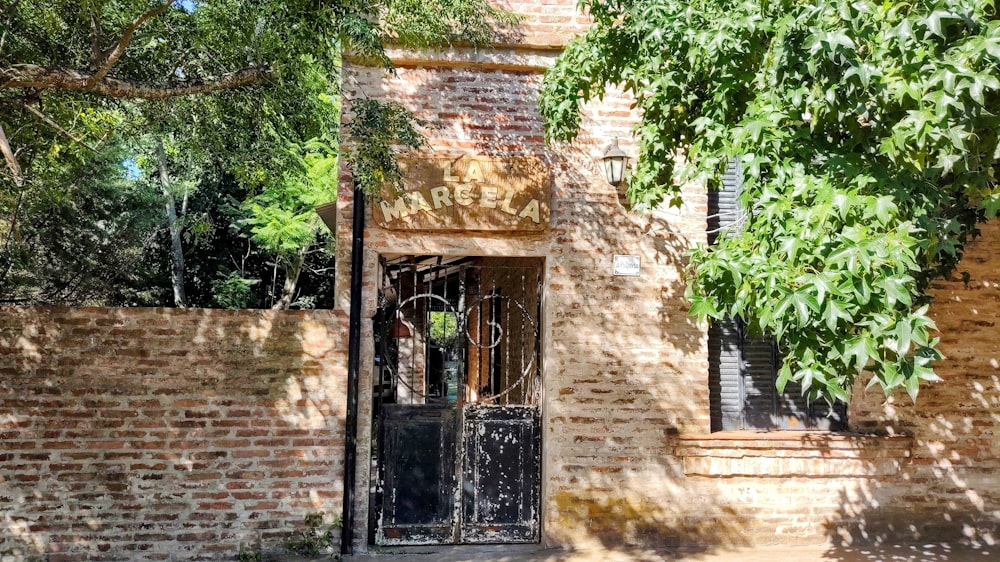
<point>616,365</point>
<point>615,481</point>
<point>151,434</point>
<point>626,379</point>
<point>946,495</point>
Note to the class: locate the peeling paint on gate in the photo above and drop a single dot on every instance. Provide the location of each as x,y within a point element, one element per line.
<point>497,493</point>
<point>501,458</point>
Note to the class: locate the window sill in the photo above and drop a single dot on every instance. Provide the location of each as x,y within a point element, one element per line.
<point>783,454</point>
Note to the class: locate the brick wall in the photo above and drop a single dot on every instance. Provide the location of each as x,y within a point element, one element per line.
<point>623,363</point>
<point>952,485</point>
<point>928,471</point>
<point>164,434</point>
<point>627,454</point>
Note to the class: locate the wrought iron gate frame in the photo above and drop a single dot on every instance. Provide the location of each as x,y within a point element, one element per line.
<point>463,311</point>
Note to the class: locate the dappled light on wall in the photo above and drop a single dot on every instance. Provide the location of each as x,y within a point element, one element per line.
<point>164,425</point>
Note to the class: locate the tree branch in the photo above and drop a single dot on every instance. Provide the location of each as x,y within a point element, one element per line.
<point>111,56</point>
<point>56,126</point>
<point>96,32</point>
<point>51,78</point>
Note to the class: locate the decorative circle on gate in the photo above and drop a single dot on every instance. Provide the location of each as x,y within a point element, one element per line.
<point>390,348</point>
<point>511,371</point>
<point>458,330</point>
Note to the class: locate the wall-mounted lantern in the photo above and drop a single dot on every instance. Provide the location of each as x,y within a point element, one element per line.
<point>615,163</point>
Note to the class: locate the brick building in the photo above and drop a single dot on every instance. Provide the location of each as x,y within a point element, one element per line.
<point>527,371</point>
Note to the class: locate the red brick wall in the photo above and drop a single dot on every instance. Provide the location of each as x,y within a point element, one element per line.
<point>928,471</point>
<point>623,363</point>
<point>952,485</point>
<point>626,451</point>
<point>156,434</point>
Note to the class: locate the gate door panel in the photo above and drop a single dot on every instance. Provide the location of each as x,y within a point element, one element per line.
<point>419,449</point>
<point>455,401</point>
<point>500,475</point>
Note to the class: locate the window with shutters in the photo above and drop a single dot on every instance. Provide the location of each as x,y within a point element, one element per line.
<point>743,367</point>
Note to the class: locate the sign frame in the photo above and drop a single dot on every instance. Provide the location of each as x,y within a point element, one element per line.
<point>626,265</point>
<point>468,193</point>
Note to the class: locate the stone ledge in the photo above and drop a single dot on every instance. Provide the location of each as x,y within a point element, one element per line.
<point>781,454</point>
<point>523,59</point>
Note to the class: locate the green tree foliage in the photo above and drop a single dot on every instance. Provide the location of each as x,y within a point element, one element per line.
<point>444,329</point>
<point>379,128</point>
<point>867,133</point>
<point>270,65</point>
<point>281,217</point>
<point>77,229</point>
<point>248,90</point>
<point>91,241</point>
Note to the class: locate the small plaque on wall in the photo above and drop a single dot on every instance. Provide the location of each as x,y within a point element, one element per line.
<point>626,265</point>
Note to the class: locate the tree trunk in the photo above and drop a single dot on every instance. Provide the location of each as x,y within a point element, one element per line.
<point>11,158</point>
<point>177,251</point>
<point>291,280</point>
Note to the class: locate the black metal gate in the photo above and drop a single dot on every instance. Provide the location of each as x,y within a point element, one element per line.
<point>458,440</point>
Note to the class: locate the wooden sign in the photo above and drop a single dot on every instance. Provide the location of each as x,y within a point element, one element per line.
<point>468,193</point>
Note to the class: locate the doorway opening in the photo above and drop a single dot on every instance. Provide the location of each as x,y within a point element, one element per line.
<point>456,436</point>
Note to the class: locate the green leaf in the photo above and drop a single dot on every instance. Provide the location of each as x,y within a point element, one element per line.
<point>885,209</point>
<point>836,391</point>
<point>856,352</point>
<point>784,376</point>
<point>891,377</point>
<point>903,333</point>
<point>801,304</point>
<point>703,308</point>
<point>834,312</point>
<point>912,385</point>
<point>898,290</point>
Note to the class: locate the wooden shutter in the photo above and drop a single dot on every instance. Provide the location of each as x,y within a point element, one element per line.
<point>724,357</point>
<point>724,204</point>
<point>724,375</point>
<point>824,416</point>
<point>742,369</point>
<point>792,408</point>
<point>759,394</point>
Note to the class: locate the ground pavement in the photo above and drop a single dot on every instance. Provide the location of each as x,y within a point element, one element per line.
<point>931,552</point>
